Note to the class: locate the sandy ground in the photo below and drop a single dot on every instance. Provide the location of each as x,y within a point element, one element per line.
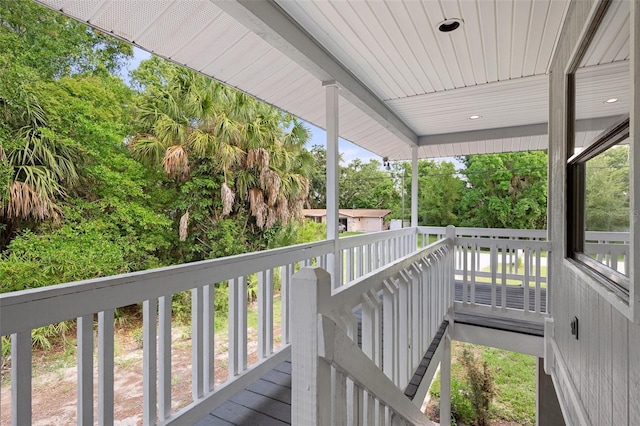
<point>54,386</point>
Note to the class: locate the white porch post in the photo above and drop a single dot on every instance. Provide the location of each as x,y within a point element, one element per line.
<point>414,186</point>
<point>333,187</point>
<point>445,382</point>
<point>310,374</point>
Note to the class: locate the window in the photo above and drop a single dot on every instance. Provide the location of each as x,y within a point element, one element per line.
<point>598,170</point>
<point>599,212</point>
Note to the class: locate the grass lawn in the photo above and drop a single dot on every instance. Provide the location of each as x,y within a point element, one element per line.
<point>532,283</point>
<point>514,375</point>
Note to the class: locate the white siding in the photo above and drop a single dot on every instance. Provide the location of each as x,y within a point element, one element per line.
<point>603,366</point>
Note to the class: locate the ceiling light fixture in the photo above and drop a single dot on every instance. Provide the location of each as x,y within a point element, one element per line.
<point>611,101</point>
<point>475,117</point>
<point>449,25</point>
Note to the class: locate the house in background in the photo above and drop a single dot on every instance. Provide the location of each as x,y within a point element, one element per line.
<point>353,220</point>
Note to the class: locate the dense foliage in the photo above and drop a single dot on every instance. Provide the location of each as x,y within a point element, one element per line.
<point>506,190</point>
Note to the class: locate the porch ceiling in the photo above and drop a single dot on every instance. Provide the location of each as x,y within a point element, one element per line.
<point>403,83</point>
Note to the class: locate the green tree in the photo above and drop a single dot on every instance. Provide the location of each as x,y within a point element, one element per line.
<point>114,220</point>
<point>53,46</point>
<point>506,190</point>
<point>439,191</point>
<point>230,155</point>
<point>607,190</point>
<point>366,186</point>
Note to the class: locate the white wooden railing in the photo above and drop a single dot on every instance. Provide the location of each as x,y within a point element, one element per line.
<point>368,252</point>
<point>402,305</point>
<point>21,312</point>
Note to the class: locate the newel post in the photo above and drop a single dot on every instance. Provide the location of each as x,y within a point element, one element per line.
<point>311,375</point>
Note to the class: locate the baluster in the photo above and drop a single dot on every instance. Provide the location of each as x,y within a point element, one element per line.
<point>149,366</point>
<point>208,334</point>
<point>265,314</point>
<point>339,398</point>
<point>538,278</point>
<point>285,303</point>
<point>21,378</point>
<point>359,262</point>
<point>237,326</point>
<point>416,345</point>
<point>105,367</point>
<point>494,266</point>
<point>376,255</point>
<point>503,301</point>
<point>403,331</point>
<point>425,320</point>
<point>164,354</point>
<point>197,342</point>
<point>389,300</point>
<point>525,284</point>
<point>85,369</point>
<point>349,265</point>
<point>474,254</point>
<point>465,270</point>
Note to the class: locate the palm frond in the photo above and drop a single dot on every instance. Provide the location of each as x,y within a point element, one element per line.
<point>176,162</point>
<point>26,203</point>
<point>146,147</point>
<point>228,197</point>
<point>184,226</point>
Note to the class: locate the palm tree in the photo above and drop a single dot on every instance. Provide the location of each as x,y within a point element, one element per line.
<point>258,150</point>
<point>37,165</point>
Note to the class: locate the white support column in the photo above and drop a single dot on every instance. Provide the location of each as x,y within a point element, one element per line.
<point>310,375</point>
<point>445,381</point>
<point>414,186</point>
<point>333,187</point>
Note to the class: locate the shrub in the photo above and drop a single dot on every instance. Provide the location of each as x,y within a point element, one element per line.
<point>482,388</point>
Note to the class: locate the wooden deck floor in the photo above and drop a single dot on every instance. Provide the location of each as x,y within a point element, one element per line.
<point>267,402</point>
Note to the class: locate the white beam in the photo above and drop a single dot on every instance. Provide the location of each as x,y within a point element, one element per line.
<point>274,25</point>
<point>540,129</point>
<point>506,340</point>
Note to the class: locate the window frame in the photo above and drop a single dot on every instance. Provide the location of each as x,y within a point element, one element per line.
<point>576,185</point>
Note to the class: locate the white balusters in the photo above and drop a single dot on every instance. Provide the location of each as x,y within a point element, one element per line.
<point>105,367</point>
<point>237,326</point>
<point>21,378</point>
<point>84,355</point>
<point>149,359</point>
<point>164,357</point>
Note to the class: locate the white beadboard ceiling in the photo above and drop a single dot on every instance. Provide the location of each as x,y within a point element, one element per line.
<point>403,83</point>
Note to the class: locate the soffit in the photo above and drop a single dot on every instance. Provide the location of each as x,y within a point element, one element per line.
<point>427,81</point>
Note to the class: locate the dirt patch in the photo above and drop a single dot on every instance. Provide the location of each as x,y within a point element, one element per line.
<point>54,390</point>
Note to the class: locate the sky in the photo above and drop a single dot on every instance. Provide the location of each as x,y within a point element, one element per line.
<point>348,150</point>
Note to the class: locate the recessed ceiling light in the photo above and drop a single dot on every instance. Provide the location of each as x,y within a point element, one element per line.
<point>475,117</point>
<point>449,25</point>
<point>611,101</point>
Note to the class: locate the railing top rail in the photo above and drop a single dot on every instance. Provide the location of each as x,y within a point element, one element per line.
<point>512,244</point>
<point>488,232</point>
<point>62,302</point>
<point>607,236</point>
<point>350,295</point>
<point>372,237</point>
